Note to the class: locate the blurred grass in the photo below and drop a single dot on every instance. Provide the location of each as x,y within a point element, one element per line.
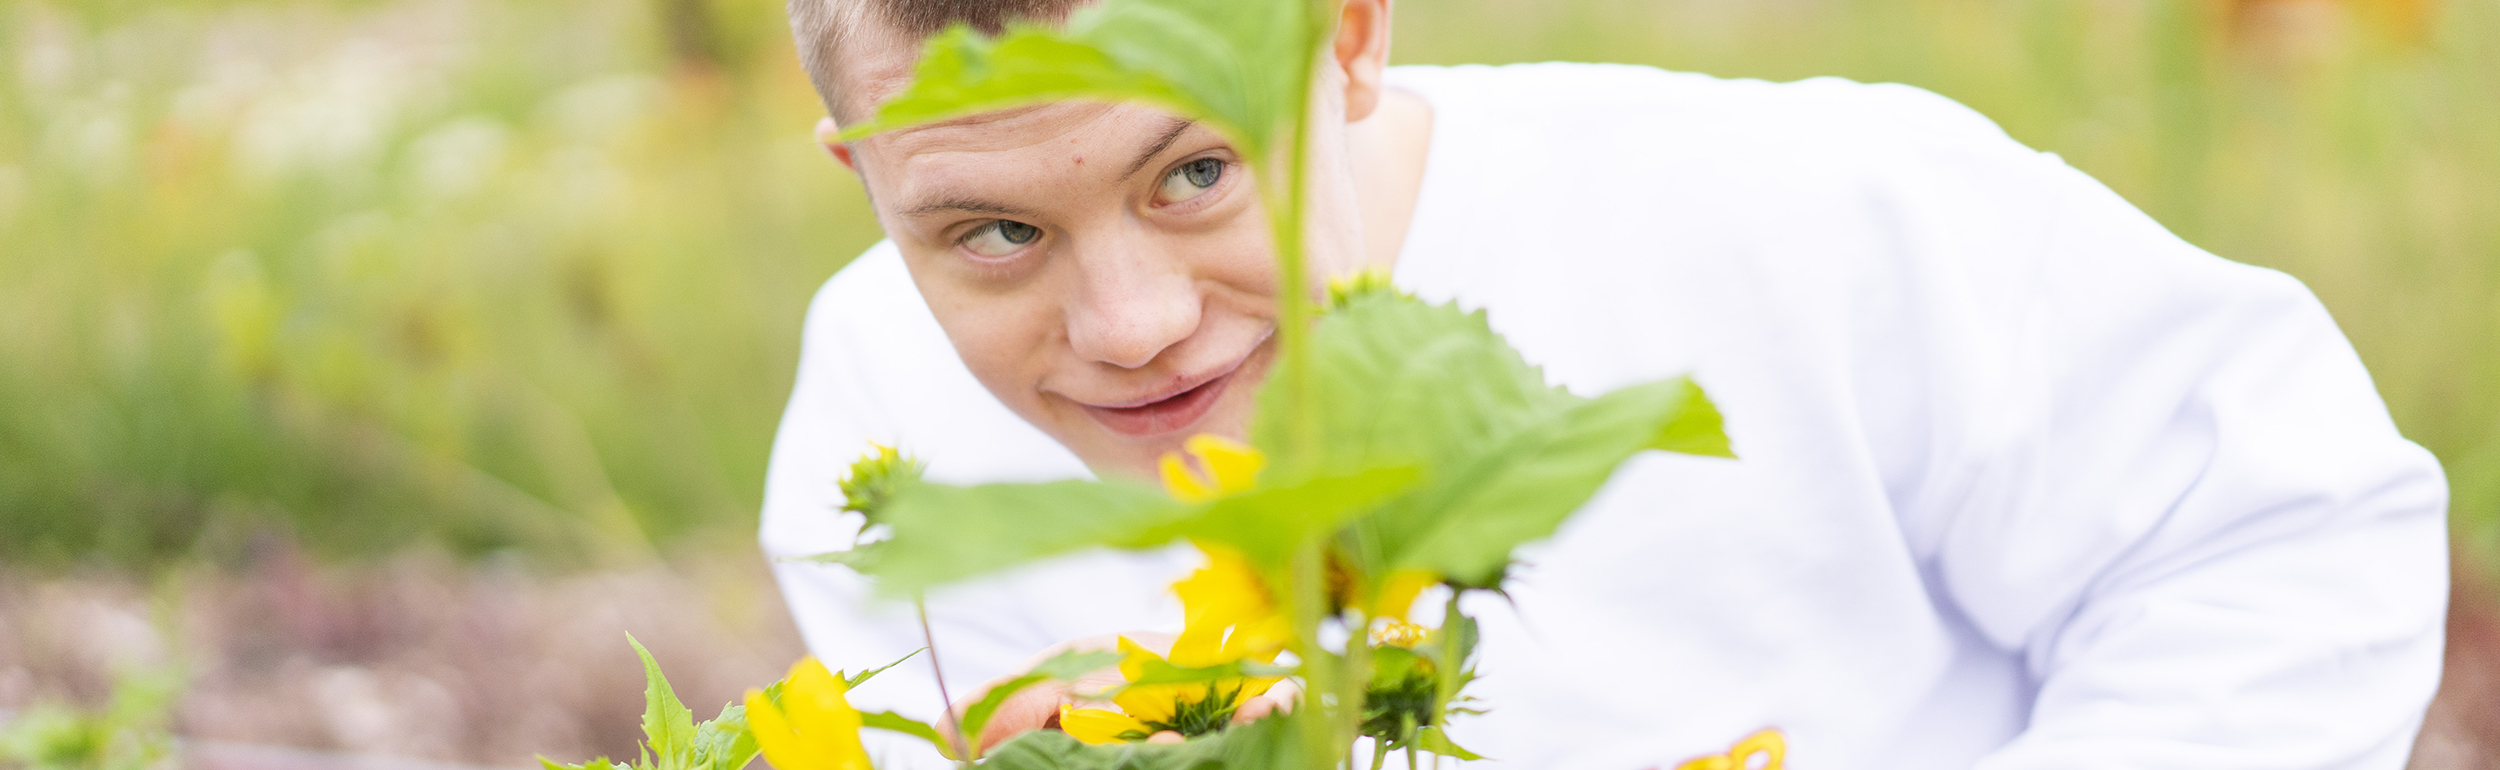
<point>528,275</point>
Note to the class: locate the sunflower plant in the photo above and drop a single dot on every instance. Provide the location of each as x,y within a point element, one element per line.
<point>1399,446</point>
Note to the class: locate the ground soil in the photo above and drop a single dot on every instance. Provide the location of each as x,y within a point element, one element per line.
<point>422,663</point>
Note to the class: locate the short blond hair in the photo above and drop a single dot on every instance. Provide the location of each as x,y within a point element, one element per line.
<point>823,29</point>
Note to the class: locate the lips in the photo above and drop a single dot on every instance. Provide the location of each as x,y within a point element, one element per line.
<point>1169,414</point>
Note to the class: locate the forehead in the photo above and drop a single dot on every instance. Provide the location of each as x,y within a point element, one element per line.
<point>1050,145</point>
<point>873,64</point>
<point>1070,124</point>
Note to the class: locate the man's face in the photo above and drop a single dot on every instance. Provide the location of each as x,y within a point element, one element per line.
<point>1104,270</point>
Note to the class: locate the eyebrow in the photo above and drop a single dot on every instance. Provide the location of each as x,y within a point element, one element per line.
<point>1161,143</point>
<point>968,205</point>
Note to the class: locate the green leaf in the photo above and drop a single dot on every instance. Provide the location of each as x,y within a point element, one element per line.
<point>1431,739</point>
<point>943,533</point>
<point>1260,745</point>
<point>853,682</point>
<point>1241,66</point>
<point>1163,672</point>
<point>1697,429</point>
<point>1520,487</point>
<point>1507,458</point>
<point>667,724</point>
<point>1266,524</point>
<point>724,742</point>
<point>978,716</point>
<point>1401,382</point>
<point>887,720</point>
<point>1064,667</point>
<point>1067,666</point>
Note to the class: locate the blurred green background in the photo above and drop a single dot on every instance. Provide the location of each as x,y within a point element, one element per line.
<point>526,276</point>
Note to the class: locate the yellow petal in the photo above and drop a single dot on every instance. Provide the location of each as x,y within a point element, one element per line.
<point>813,728</point>
<point>1233,465</point>
<point>1397,594</point>
<point>1230,468</point>
<point>1133,657</point>
<point>1158,702</point>
<point>1228,613</point>
<point>1256,686</point>
<point>1098,726</point>
<point>781,745</point>
<point>1259,640</point>
<point>1769,743</point>
<point>1182,484</point>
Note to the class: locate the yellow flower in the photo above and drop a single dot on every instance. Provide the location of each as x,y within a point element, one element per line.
<point>1101,726</point>
<point>1189,708</point>
<point>1228,613</point>
<point>1399,633</point>
<point>813,727</point>
<point>1225,467</point>
<point>1768,744</point>
<point>1397,594</point>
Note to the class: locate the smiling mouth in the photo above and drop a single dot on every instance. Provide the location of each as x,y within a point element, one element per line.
<point>1169,414</point>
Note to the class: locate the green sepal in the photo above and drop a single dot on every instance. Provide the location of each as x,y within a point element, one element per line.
<point>851,682</point>
<point>1433,740</point>
<point>887,720</point>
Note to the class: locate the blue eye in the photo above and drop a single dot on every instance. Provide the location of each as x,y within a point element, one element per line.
<point>1000,238</point>
<point>1191,179</point>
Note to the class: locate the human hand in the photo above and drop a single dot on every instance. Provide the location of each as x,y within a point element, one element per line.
<point>1037,707</point>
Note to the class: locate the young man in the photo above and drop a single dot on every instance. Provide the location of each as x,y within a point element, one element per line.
<point>2027,482</point>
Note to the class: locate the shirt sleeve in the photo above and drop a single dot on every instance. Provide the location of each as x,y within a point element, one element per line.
<point>2171,485</point>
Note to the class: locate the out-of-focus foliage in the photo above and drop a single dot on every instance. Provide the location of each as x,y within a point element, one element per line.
<point>495,274</point>
<point>530,273</point>
<point>129,733</point>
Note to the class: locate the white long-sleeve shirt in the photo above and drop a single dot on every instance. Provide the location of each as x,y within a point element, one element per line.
<point>2027,482</point>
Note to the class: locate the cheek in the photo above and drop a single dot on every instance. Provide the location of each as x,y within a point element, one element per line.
<point>1237,259</point>
<point>1003,337</point>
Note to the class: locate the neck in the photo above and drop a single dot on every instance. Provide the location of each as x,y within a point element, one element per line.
<point>1388,150</point>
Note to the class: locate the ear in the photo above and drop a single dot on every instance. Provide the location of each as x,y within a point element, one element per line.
<point>829,134</point>
<point>1362,53</point>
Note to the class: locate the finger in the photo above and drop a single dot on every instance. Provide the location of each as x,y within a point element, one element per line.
<point>1279,699</point>
<point>1023,712</point>
<point>1166,737</point>
<point>1028,709</point>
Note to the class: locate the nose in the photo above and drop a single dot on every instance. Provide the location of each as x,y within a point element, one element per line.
<point>1131,304</point>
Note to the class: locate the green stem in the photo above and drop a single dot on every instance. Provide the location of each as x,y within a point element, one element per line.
<point>963,744</point>
<point>1353,682</point>
<point>1332,706</point>
<point>1319,668</point>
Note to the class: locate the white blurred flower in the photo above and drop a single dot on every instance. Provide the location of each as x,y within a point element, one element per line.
<point>596,110</point>
<point>457,159</point>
